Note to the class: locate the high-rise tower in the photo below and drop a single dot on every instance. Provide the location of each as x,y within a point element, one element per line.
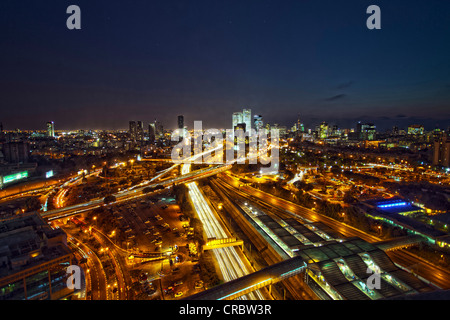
<point>51,129</point>
<point>180,122</point>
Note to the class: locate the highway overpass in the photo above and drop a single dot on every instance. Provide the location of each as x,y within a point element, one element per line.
<point>254,281</point>
<point>400,243</point>
<point>133,192</point>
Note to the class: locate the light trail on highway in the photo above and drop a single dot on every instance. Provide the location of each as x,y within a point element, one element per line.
<point>230,263</point>
<point>128,194</point>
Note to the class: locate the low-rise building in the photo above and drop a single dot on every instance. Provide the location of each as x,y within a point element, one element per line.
<point>33,259</point>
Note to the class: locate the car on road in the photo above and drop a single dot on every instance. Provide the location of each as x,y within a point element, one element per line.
<point>168,290</point>
<point>178,294</point>
<point>178,283</point>
<point>198,284</point>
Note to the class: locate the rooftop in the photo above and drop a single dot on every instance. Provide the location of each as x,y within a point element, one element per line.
<point>27,240</point>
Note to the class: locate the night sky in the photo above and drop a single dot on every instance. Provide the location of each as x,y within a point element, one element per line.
<point>142,59</point>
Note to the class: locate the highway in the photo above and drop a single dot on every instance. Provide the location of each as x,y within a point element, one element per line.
<point>58,199</point>
<point>264,249</point>
<point>126,195</point>
<point>295,210</point>
<point>95,275</point>
<point>429,273</point>
<point>230,263</point>
<point>116,255</point>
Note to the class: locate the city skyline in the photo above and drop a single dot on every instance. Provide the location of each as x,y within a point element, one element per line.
<point>150,60</point>
<point>314,124</point>
<point>225,150</point>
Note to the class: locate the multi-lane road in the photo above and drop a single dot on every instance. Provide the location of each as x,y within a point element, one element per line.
<point>231,263</point>
<point>134,192</point>
<point>95,274</point>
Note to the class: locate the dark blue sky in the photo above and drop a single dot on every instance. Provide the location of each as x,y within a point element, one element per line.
<point>141,59</point>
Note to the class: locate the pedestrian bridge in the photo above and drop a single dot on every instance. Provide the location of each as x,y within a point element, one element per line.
<point>214,243</point>
<point>254,281</point>
<point>399,243</point>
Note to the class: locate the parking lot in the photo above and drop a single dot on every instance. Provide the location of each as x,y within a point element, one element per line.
<point>156,224</point>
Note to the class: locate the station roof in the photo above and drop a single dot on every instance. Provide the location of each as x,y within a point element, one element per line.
<point>325,257</point>
<point>243,284</point>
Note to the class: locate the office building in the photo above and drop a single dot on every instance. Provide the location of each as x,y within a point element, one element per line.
<point>441,151</point>
<point>335,131</point>
<point>395,131</point>
<point>15,151</point>
<point>359,127</point>
<point>51,129</point>
<point>139,131</point>
<point>33,259</point>
<point>136,131</point>
<point>247,118</point>
<point>151,132</point>
<point>364,131</point>
<point>416,129</point>
<point>323,130</point>
<point>180,122</point>
<point>132,130</point>
<point>159,129</point>
<point>258,122</point>
<point>369,131</point>
<point>237,118</point>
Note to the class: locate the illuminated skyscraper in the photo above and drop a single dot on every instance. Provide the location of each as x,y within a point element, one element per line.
<point>258,122</point>
<point>415,129</point>
<point>441,151</point>
<point>151,132</point>
<point>369,131</point>
<point>237,118</point>
<point>51,129</point>
<point>247,118</point>
<point>139,131</point>
<point>300,128</point>
<point>133,130</point>
<point>159,129</point>
<point>323,130</point>
<point>364,131</point>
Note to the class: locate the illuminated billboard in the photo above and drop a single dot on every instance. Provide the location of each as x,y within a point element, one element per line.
<point>15,177</point>
<point>49,174</point>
